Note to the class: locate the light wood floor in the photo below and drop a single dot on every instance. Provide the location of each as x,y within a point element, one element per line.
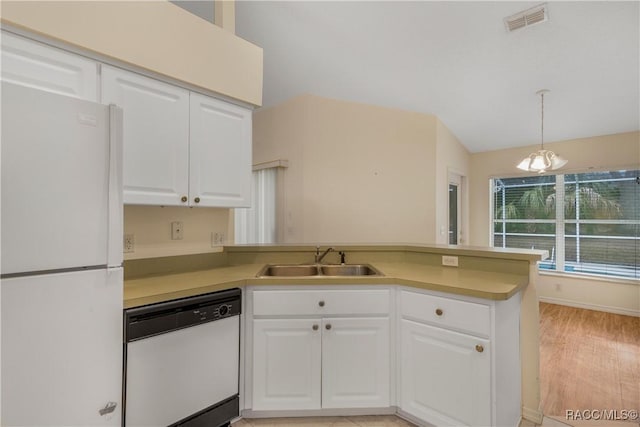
<point>588,360</point>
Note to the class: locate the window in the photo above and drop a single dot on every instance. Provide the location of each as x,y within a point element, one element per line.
<point>589,222</point>
<point>258,223</point>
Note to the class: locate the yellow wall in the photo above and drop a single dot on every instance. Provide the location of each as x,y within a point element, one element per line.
<point>151,227</point>
<point>357,173</point>
<point>153,35</point>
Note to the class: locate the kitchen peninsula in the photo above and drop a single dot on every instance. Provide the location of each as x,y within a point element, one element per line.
<point>416,309</point>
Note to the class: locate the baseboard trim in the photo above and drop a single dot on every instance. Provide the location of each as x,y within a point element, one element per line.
<point>249,413</point>
<point>532,415</point>
<point>596,307</point>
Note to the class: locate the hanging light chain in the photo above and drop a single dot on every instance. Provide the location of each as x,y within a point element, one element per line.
<point>542,123</point>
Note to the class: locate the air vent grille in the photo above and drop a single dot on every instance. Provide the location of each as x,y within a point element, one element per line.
<point>528,17</point>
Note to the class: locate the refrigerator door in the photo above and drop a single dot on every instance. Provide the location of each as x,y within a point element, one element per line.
<point>62,349</point>
<point>55,182</point>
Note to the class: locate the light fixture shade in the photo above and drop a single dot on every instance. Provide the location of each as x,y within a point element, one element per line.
<point>541,161</point>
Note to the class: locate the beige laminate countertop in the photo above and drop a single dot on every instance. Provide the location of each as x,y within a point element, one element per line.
<point>474,283</point>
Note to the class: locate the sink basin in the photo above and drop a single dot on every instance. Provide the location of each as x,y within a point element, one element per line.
<point>296,270</point>
<point>307,270</point>
<point>349,270</point>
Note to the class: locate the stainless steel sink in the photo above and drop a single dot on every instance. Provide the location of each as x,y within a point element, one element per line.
<point>289,270</point>
<point>349,270</point>
<point>308,270</point>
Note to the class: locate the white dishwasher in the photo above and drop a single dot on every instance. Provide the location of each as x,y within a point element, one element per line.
<point>182,362</point>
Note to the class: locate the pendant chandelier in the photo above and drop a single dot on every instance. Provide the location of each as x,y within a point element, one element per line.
<point>542,160</point>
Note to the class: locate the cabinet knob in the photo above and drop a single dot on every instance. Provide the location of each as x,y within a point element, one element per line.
<point>328,326</point>
<point>184,199</point>
<point>479,348</point>
<point>321,303</point>
<point>314,327</point>
<point>197,200</point>
<point>439,311</point>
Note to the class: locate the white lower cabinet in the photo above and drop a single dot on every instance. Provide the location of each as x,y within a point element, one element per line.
<point>322,361</point>
<point>355,363</point>
<point>456,358</point>
<point>446,376</point>
<point>459,361</point>
<point>286,363</point>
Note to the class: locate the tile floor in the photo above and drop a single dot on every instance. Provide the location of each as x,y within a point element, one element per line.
<point>355,421</point>
<point>393,421</point>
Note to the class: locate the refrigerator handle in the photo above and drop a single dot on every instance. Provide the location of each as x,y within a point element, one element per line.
<point>115,227</point>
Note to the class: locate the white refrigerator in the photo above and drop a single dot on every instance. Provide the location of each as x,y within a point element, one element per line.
<point>61,260</point>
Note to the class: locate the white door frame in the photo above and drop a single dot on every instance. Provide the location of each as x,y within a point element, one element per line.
<point>460,181</point>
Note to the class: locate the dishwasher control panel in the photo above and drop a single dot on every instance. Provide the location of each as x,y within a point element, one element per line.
<point>156,319</point>
<point>208,313</point>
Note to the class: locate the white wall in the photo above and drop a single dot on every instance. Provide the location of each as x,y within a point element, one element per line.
<point>608,152</point>
<point>151,226</point>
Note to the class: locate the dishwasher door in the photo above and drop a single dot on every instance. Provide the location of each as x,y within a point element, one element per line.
<point>176,374</point>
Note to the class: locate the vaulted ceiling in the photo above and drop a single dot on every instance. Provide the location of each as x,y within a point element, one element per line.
<point>457,61</point>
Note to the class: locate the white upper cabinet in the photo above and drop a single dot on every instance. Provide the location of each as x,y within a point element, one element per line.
<point>220,153</point>
<point>155,137</point>
<point>29,63</point>
<point>180,148</point>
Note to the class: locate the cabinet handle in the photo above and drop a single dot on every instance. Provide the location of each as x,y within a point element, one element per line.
<point>328,326</point>
<point>314,327</point>
<point>183,199</point>
<point>479,348</point>
<point>439,311</point>
<point>197,200</point>
<point>321,303</point>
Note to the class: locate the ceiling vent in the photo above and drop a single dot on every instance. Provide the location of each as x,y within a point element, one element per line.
<point>528,17</point>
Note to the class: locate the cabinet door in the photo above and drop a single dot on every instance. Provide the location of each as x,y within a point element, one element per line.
<point>446,376</point>
<point>62,349</point>
<point>155,137</point>
<point>286,364</point>
<point>29,63</point>
<point>220,153</point>
<point>355,363</point>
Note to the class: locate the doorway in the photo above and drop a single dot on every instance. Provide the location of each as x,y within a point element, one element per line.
<point>456,190</point>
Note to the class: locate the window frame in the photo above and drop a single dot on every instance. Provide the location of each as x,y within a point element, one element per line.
<point>557,263</point>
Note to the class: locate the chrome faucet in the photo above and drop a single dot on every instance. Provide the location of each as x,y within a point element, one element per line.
<point>319,256</point>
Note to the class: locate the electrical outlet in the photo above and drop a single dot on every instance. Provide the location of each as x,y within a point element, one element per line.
<point>451,261</point>
<point>177,231</point>
<point>128,243</point>
<point>217,238</point>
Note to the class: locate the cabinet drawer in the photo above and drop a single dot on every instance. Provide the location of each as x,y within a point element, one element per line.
<point>319,302</point>
<point>449,313</point>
